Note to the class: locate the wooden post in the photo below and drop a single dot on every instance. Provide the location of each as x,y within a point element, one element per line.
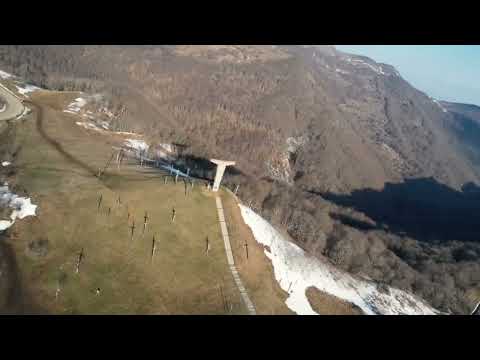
<point>133,229</point>
<point>99,201</point>
<point>188,171</point>
<point>246,249</point>
<point>154,248</point>
<point>108,163</point>
<point>165,179</point>
<point>57,292</point>
<point>173,214</point>
<point>224,302</point>
<point>118,159</point>
<point>109,211</point>
<point>176,177</point>
<point>79,261</point>
<point>121,158</point>
<point>145,218</point>
<point>185,183</point>
<point>207,249</point>
<point>289,287</point>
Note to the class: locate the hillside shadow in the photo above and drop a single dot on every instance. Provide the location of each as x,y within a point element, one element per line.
<point>419,208</point>
<point>203,168</point>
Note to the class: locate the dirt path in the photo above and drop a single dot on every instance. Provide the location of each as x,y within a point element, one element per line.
<point>231,263</point>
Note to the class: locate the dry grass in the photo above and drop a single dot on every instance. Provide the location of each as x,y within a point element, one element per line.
<point>232,54</point>
<point>326,304</point>
<point>181,279</point>
<point>256,272</point>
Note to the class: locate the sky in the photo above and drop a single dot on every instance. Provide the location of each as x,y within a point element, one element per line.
<point>444,72</point>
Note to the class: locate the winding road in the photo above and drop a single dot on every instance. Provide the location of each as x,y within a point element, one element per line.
<point>14,107</point>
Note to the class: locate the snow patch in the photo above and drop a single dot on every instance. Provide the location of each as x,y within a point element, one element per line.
<point>439,105</point>
<point>340,71</point>
<point>138,145</point>
<point>392,153</point>
<point>376,68</point>
<point>22,207</point>
<point>6,163</point>
<point>88,125</point>
<point>106,112</point>
<point>4,75</point>
<point>296,271</point>
<point>76,105</point>
<point>27,88</point>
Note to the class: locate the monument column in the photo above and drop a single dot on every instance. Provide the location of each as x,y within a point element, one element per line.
<point>221,165</point>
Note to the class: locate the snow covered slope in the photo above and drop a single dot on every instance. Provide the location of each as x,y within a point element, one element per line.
<point>296,271</point>
<point>22,207</point>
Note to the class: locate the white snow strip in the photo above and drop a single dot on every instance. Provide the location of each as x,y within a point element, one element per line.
<point>6,163</point>
<point>439,105</point>
<point>138,145</point>
<point>27,89</point>
<point>88,125</point>
<point>126,133</point>
<point>167,147</point>
<point>5,75</point>
<point>296,271</point>
<point>76,105</point>
<point>22,207</point>
<point>340,71</point>
<point>4,107</point>
<point>378,69</point>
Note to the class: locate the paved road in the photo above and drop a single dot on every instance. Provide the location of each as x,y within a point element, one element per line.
<point>14,106</point>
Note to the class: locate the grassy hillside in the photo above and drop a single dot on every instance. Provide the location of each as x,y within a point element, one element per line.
<point>54,162</point>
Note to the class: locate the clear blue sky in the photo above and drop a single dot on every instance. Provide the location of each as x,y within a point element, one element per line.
<point>445,72</point>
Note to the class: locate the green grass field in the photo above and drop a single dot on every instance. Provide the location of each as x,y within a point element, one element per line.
<point>54,161</point>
